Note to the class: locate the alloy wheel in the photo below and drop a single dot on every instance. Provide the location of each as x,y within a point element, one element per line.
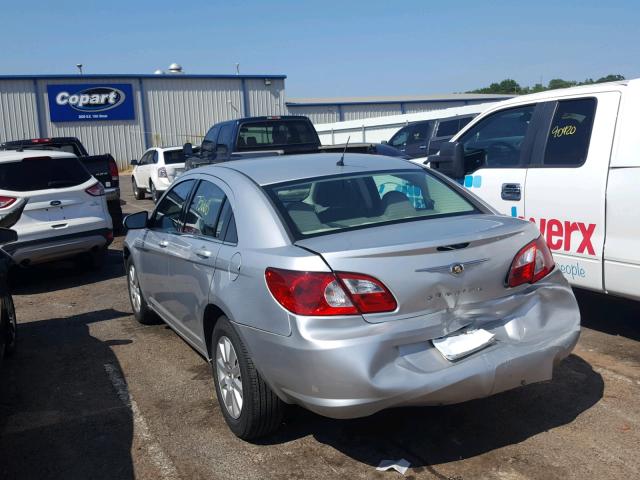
<point>229,377</point>
<point>134,289</point>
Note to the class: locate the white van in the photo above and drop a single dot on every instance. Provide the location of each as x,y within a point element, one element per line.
<point>569,161</point>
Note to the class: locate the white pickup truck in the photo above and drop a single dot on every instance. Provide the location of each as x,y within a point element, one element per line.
<point>569,161</point>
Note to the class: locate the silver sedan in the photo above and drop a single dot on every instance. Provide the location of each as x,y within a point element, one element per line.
<point>347,287</point>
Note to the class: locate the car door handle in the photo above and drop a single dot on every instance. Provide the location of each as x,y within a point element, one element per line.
<point>163,244</point>
<point>422,147</point>
<point>203,253</point>
<point>511,191</point>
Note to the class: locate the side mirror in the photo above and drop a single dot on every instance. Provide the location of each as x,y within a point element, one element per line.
<point>187,149</point>
<point>221,149</point>
<point>136,221</point>
<point>134,162</point>
<point>7,236</point>
<point>450,160</point>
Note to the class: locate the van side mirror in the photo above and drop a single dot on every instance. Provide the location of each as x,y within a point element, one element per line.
<point>134,162</point>
<point>450,160</point>
<point>7,236</point>
<point>136,221</point>
<point>187,149</point>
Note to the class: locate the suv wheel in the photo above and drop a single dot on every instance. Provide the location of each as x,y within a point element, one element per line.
<point>140,309</point>
<point>138,193</point>
<point>248,405</point>
<point>155,196</point>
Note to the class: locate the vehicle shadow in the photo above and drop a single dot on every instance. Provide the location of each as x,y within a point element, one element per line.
<point>60,414</point>
<point>63,274</point>
<point>435,435</point>
<point>609,314</point>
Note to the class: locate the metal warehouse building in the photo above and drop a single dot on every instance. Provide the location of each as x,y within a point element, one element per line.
<point>330,110</point>
<point>125,114</point>
<point>148,110</point>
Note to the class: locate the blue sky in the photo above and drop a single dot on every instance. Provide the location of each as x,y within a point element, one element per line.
<point>330,48</point>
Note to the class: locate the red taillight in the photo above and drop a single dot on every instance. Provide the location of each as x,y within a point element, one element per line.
<point>113,170</point>
<point>323,293</point>
<point>95,190</point>
<point>531,263</point>
<point>6,201</point>
<point>41,140</point>
<point>162,172</point>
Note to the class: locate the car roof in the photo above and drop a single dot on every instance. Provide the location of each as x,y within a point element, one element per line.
<point>284,168</point>
<point>13,155</point>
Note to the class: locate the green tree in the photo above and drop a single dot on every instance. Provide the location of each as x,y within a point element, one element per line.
<point>510,86</point>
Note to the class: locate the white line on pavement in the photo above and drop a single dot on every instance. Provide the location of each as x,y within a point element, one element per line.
<point>158,457</point>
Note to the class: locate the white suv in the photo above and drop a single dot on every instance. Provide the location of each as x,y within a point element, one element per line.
<point>156,170</point>
<point>66,211</point>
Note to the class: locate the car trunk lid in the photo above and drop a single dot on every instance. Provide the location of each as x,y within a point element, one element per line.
<point>447,263</point>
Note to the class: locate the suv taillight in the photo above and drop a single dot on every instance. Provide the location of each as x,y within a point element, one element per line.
<point>532,263</point>
<point>95,190</point>
<point>113,170</point>
<point>6,201</point>
<point>325,293</point>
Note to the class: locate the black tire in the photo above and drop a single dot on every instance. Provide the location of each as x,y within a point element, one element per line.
<point>155,196</point>
<point>115,210</point>
<point>142,314</point>
<point>261,411</point>
<point>138,193</point>
<point>10,325</point>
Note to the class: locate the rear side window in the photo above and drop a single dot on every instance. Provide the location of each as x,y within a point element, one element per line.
<point>41,173</point>
<point>274,133</point>
<point>167,216</point>
<point>570,133</point>
<point>327,205</point>
<point>448,128</point>
<point>173,156</point>
<point>204,210</point>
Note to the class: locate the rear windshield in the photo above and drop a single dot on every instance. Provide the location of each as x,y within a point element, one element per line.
<point>275,133</point>
<point>173,156</point>
<point>41,173</point>
<point>324,205</point>
<point>58,147</point>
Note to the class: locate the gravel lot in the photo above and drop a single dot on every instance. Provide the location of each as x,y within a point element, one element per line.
<point>92,394</point>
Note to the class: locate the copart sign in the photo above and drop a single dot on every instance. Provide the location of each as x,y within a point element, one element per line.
<point>82,102</point>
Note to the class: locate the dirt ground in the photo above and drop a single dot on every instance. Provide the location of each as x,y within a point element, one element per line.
<point>92,394</point>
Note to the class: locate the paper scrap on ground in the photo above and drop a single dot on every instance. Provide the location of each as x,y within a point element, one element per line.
<point>400,466</point>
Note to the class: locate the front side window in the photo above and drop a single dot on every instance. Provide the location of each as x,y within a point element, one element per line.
<point>226,132</point>
<point>326,205</point>
<point>570,133</point>
<point>400,138</point>
<point>167,216</point>
<point>204,210</point>
<point>496,141</point>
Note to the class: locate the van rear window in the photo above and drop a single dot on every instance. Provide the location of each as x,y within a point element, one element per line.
<point>273,134</point>
<point>317,206</point>
<point>41,173</point>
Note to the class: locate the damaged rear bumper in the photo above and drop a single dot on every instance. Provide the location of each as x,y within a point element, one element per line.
<point>346,368</point>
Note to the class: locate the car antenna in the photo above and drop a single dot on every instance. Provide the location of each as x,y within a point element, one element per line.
<point>340,163</point>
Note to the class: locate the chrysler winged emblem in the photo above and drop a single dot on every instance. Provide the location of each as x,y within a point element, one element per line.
<point>456,268</point>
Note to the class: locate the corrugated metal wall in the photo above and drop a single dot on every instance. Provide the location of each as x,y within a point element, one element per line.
<point>356,112</point>
<point>317,114</point>
<point>183,110</point>
<point>265,99</point>
<point>18,111</point>
<point>430,106</point>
